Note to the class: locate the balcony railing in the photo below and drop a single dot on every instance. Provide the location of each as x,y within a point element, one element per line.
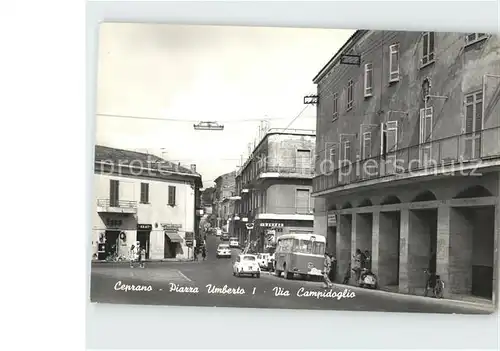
<point>285,210</point>
<point>285,170</point>
<point>119,206</point>
<point>438,156</point>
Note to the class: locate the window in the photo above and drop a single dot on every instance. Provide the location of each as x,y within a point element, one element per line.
<point>367,145</point>
<point>171,195</point>
<point>427,48</point>
<point>333,156</point>
<point>335,113</point>
<point>425,134</point>
<point>303,160</point>
<point>144,193</point>
<point>473,125</point>
<point>368,79</point>
<point>347,151</point>
<point>389,142</point>
<point>308,247</point>
<point>393,63</point>
<point>473,112</point>
<point>474,38</point>
<point>302,199</point>
<point>389,146</point>
<point>114,193</point>
<point>350,97</point>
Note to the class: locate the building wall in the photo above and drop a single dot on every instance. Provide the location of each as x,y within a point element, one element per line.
<point>457,71</point>
<point>281,198</point>
<point>156,213</point>
<point>282,149</point>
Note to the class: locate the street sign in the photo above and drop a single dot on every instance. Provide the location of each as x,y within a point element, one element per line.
<point>249,226</point>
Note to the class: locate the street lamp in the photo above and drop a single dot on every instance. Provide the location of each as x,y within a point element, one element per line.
<point>208,126</point>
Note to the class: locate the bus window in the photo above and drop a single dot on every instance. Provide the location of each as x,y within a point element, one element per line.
<point>308,247</point>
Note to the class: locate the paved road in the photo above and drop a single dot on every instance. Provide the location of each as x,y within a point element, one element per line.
<point>261,292</point>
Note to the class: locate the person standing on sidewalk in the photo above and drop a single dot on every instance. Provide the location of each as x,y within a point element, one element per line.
<point>326,271</point>
<point>204,252</point>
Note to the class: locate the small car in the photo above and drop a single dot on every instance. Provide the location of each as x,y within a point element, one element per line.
<point>263,259</point>
<point>224,237</point>
<point>246,265</point>
<point>233,242</point>
<point>223,250</point>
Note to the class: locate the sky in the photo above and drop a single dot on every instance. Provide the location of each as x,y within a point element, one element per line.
<point>236,76</point>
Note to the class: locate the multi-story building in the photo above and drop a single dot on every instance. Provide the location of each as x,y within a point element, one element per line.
<point>408,157</point>
<point>224,206</point>
<point>140,197</point>
<point>275,186</point>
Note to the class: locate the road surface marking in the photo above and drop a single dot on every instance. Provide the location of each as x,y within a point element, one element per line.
<point>184,276</point>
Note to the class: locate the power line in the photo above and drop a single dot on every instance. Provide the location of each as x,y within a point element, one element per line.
<point>190,120</point>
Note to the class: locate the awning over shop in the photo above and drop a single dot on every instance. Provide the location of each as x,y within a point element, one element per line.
<point>174,237</point>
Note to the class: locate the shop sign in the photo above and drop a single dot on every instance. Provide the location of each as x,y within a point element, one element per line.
<point>332,219</point>
<point>171,228</point>
<point>272,225</point>
<point>144,227</point>
<point>189,238</point>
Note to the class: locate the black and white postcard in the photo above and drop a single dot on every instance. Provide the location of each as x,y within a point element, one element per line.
<point>296,168</point>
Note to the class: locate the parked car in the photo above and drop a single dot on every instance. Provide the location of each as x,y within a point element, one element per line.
<point>233,242</point>
<point>263,259</point>
<point>223,250</point>
<point>246,265</point>
<point>218,232</point>
<point>224,237</point>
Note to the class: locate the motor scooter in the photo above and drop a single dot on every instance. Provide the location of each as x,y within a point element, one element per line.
<point>367,279</point>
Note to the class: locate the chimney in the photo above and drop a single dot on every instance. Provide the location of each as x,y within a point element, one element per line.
<point>193,168</point>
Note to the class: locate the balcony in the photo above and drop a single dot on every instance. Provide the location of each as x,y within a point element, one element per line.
<point>278,171</point>
<point>120,206</point>
<point>285,213</point>
<point>464,154</point>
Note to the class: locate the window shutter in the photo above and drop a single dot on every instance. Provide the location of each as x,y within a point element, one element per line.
<point>367,145</point>
<point>479,112</point>
<point>469,117</point>
<point>425,46</point>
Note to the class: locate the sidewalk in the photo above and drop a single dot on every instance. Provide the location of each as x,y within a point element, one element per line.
<point>454,300</point>
<point>147,261</point>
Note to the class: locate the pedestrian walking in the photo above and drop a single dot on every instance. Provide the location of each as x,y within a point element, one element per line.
<point>133,253</point>
<point>195,254</point>
<point>358,261</point>
<point>204,252</point>
<point>326,271</point>
<point>142,257</point>
<point>368,260</point>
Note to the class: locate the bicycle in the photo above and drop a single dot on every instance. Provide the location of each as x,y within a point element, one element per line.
<point>435,283</point>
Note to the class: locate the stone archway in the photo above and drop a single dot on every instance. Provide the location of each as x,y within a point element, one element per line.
<point>390,200</point>
<point>473,191</point>
<point>365,203</point>
<point>426,195</point>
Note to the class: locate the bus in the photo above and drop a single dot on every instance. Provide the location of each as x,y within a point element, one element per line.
<point>301,254</point>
